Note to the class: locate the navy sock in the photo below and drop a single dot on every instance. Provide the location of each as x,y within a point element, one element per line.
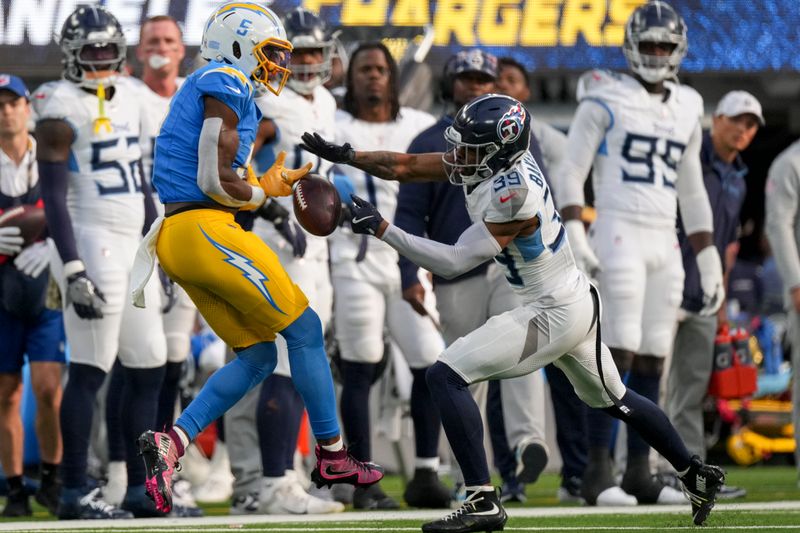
<point>140,405</point>
<point>227,385</point>
<point>280,409</point>
<point>427,423</point>
<point>654,426</point>
<point>311,373</point>
<point>462,422</point>
<point>116,440</point>
<point>646,386</point>
<point>77,408</point>
<point>504,458</point>
<point>168,396</point>
<point>356,383</point>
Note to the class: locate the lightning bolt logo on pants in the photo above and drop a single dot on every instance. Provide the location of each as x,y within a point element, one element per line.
<point>245,265</point>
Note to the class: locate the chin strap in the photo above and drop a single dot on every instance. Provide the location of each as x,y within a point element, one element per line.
<point>102,121</point>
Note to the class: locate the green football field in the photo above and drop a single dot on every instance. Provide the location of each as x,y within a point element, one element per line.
<point>772,504</point>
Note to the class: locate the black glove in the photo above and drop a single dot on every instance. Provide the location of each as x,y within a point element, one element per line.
<point>289,229</point>
<point>314,143</point>
<point>168,286</point>
<point>85,296</point>
<point>365,219</point>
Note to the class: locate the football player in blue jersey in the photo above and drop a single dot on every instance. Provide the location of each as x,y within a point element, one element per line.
<point>202,175</point>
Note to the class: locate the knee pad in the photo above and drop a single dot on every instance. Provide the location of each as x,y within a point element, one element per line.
<point>648,365</point>
<point>439,376</point>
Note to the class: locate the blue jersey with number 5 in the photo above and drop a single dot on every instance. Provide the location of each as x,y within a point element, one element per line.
<point>539,266</point>
<point>105,173</point>
<point>175,162</point>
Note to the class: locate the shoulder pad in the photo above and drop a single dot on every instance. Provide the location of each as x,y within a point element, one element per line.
<point>611,87</point>
<point>55,100</point>
<point>687,97</point>
<point>509,197</point>
<point>594,81</point>
<point>225,79</point>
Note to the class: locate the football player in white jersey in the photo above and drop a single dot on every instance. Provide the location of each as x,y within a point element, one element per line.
<point>267,482</point>
<point>97,205</point>
<point>641,133</point>
<point>366,277</point>
<point>516,223</point>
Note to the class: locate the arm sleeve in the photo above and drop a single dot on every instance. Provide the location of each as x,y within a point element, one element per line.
<point>475,246</point>
<point>782,196</point>
<point>586,136</point>
<point>412,209</point>
<point>692,196</point>
<point>54,178</point>
<point>150,211</point>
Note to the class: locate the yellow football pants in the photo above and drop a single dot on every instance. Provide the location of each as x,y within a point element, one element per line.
<point>236,280</point>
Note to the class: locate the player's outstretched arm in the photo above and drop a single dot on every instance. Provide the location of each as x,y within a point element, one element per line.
<point>477,244</point>
<point>393,166</point>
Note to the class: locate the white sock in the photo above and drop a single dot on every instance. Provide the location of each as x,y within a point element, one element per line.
<point>182,435</point>
<point>427,463</point>
<point>335,447</point>
<point>480,488</point>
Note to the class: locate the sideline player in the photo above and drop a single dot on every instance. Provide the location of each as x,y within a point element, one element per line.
<point>516,223</point>
<point>641,134</point>
<point>97,205</point>
<point>27,327</point>
<point>202,176</point>
<point>366,278</point>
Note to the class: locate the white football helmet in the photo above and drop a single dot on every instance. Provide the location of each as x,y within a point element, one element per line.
<point>250,37</point>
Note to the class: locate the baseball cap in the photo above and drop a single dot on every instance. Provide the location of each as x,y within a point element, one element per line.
<point>474,60</point>
<point>737,103</point>
<point>15,85</point>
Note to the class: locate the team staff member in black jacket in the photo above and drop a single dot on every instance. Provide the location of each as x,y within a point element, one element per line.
<point>437,209</point>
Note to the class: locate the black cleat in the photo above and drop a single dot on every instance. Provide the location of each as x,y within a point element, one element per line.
<point>425,490</point>
<point>89,506</point>
<point>17,504</point>
<point>531,461</point>
<point>481,511</point>
<point>701,484</point>
<point>47,496</point>
<point>373,498</point>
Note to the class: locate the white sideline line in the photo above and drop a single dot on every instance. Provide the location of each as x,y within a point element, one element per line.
<point>344,521</point>
<point>350,529</point>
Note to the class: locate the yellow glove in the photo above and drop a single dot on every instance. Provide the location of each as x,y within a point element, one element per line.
<point>278,180</point>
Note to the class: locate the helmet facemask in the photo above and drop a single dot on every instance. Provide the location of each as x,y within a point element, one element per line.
<point>94,62</point>
<point>465,163</point>
<point>667,29</point>
<point>307,77</point>
<point>272,61</point>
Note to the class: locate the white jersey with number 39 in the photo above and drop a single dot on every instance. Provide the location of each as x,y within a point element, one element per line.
<point>637,165</point>
<point>105,179</point>
<point>540,266</point>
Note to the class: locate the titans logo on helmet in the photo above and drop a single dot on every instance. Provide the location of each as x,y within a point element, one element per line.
<point>510,125</point>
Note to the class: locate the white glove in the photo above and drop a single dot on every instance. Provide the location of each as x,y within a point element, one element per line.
<point>585,259</point>
<point>710,267</point>
<point>33,259</point>
<point>10,240</point>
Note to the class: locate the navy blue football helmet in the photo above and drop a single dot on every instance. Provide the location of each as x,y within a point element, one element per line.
<point>655,22</point>
<point>304,29</point>
<point>488,135</point>
<point>93,46</point>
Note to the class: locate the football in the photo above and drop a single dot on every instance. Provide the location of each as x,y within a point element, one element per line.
<point>317,205</point>
<point>30,219</point>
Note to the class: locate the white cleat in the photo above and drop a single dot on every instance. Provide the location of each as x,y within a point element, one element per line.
<point>670,496</point>
<point>218,487</point>
<point>114,490</point>
<point>615,496</point>
<point>286,496</point>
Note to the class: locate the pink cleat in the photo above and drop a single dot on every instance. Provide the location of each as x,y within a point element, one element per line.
<point>160,461</point>
<point>341,467</point>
